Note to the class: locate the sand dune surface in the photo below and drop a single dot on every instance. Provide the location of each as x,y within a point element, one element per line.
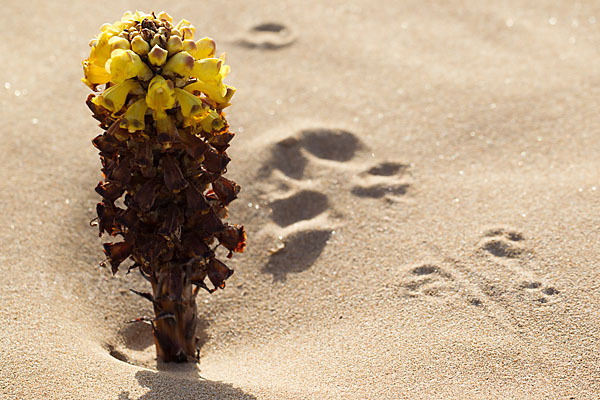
<point>421,190</point>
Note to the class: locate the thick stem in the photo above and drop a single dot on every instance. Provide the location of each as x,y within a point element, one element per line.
<point>176,315</point>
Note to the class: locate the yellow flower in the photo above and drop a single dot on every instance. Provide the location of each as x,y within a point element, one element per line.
<point>133,119</point>
<point>125,64</point>
<point>210,73</point>
<point>94,74</point>
<point>186,29</point>
<point>192,108</point>
<point>207,69</point>
<point>93,67</point>
<point>115,96</point>
<point>212,122</point>
<point>181,63</point>
<point>161,96</point>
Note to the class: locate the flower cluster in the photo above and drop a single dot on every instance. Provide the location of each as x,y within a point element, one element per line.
<point>164,149</point>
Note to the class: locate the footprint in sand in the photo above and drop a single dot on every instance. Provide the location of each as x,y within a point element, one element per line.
<point>387,180</point>
<point>541,293</point>
<point>296,170</point>
<point>268,36</point>
<point>501,242</point>
<point>427,279</point>
<point>506,246</point>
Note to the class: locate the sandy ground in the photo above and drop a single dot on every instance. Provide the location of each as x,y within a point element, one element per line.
<point>421,187</point>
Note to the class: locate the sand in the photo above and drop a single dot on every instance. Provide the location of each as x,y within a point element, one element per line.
<point>421,188</point>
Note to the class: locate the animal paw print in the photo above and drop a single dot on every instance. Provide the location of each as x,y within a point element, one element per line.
<point>387,180</point>
<point>540,293</point>
<point>503,243</point>
<point>511,256</point>
<point>296,175</point>
<point>267,36</point>
<point>428,280</point>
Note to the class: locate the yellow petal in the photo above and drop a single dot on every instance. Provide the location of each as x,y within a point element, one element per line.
<point>115,96</point>
<point>125,64</point>
<point>161,95</point>
<point>133,119</point>
<point>165,16</point>
<point>191,106</point>
<point>157,56</point>
<point>190,46</point>
<point>94,75</point>
<point>117,42</point>
<point>207,69</point>
<point>183,23</point>
<point>181,63</point>
<point>206,48</point>
<point>188,32</point>
<point>219,93</point>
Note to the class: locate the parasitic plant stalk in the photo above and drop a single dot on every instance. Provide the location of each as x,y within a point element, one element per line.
<point>159,99</point>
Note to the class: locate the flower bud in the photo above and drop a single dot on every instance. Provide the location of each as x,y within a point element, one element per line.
<point>206,47</point>
<point>190,46</point>
<point>175,32</point>
<point>117,42</point>
<point>165,16</point>
<point>140,46</point>
<point>181,63</point>
<point>174,44</point>
<point>157,56</point>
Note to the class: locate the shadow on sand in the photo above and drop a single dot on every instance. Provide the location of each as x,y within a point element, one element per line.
<point>183,381</point>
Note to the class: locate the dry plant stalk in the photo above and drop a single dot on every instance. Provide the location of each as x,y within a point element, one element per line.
<point>163,159</point>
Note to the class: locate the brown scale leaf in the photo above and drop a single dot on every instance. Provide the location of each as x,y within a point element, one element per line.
<point>195,147</point>
<point>106,144</point>
<point>207,223</point>
<point>194,246</point>
<point>195,199</point>
<point>117,253</point>
<point>106,219</point>
<point>173,177</point>
<point>110,191</point>
<point>171,225</point>
<point>149,248</point>
<point>146,195</point>
<point>120,173</point>
<point>221,142</point>
<point>215,162</point>
<point>218,273</point>
<point>117,132</point>
<point>226,189</point>
<point>233,238</point>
